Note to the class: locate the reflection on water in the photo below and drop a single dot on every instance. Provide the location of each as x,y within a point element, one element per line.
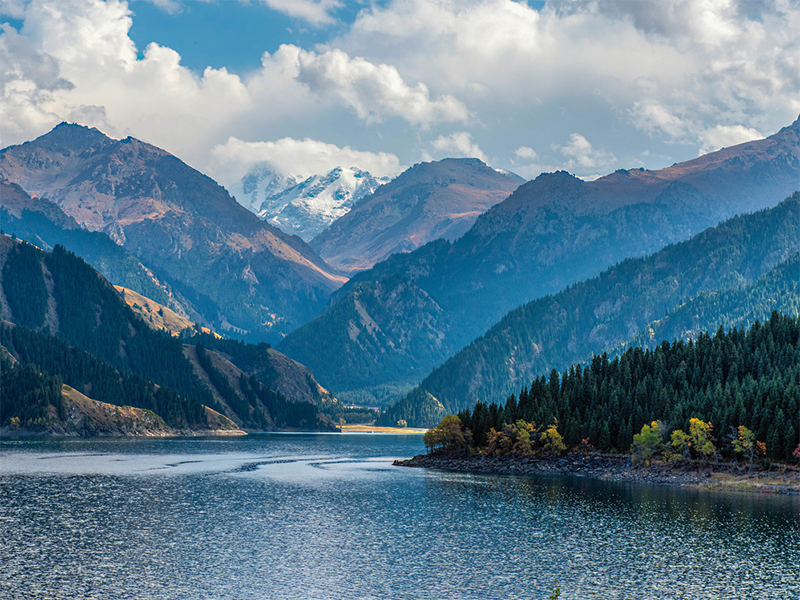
<point>325,516</point>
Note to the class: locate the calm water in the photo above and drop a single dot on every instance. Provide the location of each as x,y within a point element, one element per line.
<point>328,517</point>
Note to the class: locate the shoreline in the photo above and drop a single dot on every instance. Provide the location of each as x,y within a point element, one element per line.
<point>701,476</point>
<point>377,429</point>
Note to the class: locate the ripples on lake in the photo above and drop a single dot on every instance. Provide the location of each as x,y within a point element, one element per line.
<point>328,517</point>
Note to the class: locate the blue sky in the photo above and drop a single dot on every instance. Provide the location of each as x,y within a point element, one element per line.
<point>305,85</point>
<point>226,34</point>
<point>234,34</point>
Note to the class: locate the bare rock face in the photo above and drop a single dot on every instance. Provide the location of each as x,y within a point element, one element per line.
<point>239,272</point>
<point>429,201</point>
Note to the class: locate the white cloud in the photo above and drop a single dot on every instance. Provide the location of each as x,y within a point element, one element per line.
<point>316,12</point>
<point>169,6</point>
<point>722,136</point>
<point>526,153</point>
<point>581,155</point>
<point>671,69</point>
<point>74,60</point>
<point>12,8</point>
<point>458,145</point>
<point>375,91</point>
<point>288,156</point>
<point>672,77</point>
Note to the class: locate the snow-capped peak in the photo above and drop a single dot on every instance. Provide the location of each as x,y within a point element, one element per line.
<point>307,208</point>
<point>260,183</point>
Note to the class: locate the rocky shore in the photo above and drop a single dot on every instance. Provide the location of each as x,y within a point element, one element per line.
<point>722,477</point>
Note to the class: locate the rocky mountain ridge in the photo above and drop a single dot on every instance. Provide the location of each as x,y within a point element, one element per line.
<point>309,207</point>
<point>242,274</point>
<point>429,201</point>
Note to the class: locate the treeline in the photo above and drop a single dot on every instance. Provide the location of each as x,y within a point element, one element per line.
<point>733,259</point>
<point>93,316</point>
<point>740,378</point>
<point>28,396</point>
<point>257,406</point>
<point>105,351</point>
<point>54,358</point>
<point>122,356</point>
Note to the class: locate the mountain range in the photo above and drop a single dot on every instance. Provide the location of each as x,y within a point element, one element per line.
<point>232,270</point>
<point>729,275</point>
<point>550,233</point>
<point>61,316</point>
<point>429,201</point>
<point>449,248</point>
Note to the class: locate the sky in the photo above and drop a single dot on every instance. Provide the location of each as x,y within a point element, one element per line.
<point>589,86</point>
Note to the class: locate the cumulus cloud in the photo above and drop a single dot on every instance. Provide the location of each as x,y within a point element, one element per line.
<point>74,60</point>
<point>672,77</point>
<point>670,69</point>
<point>458,145</point>
<point>299,158</point>
<point>316,12</point>
<point>375,91</point>
<point>526,153</point>
<point>581,155</point>
<point>722,136</point>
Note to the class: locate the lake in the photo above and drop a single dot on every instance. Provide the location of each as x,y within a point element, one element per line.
<point>316,516</point>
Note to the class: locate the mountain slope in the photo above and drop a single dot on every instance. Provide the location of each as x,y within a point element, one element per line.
<point>44,224</point>
<point>745,377</point>
<point>550,233</point>
<point>72,323</point>
<point>427,202</point>
<point>244,275</point>
<point>278,372</point>
<point>776,290</point>
<point>378,316</point>
<point>606,311</point>
<point>309,207</point>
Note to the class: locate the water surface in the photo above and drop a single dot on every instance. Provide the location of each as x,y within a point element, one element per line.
<point>328,517</point>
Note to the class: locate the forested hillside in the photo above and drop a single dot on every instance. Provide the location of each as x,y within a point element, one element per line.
<point>44,224</point>
<point>615,307</point>
<point>73,324</point>
<point>748,378</point>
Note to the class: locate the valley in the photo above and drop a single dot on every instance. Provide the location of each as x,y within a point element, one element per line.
<point>396,299</point>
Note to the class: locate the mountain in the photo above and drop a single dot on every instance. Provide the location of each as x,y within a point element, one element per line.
<point>156,315</point>
<point>547,235</point>
<point>261,183</point>
<point>309,207</point>
<point>44,224</point>
<point>392,326</point>
<point>278,372</point>
<point>61,316</point>
<point>743,377</point>
<point>740,270</point>
<point>426,202</point>
<point>243,275</point>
